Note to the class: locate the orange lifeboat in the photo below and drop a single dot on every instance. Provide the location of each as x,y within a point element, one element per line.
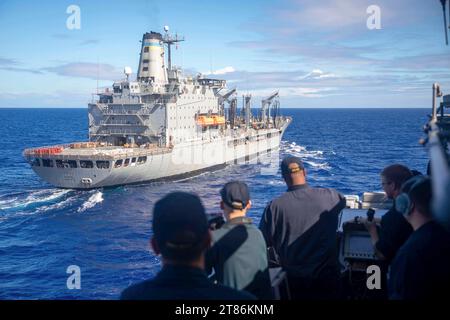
<point>205,121</point>
<point>213,120</point>
<point>218,120</point>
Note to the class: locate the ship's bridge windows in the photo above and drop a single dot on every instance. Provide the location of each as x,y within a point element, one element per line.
<point>142,160</point>
<point>117,89</point>
<point>47,163</point>
<point>133,161</point>
<point>72,163</point>
<point>126,163</point>
<point>86,164</point>
<point>66,164</point>
<point>59,164</point>
<point>118,163</point>
<point>102,164</point>
<point>35,162</point>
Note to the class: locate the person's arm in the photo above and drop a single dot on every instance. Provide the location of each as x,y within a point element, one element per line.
<point>371,227</point>
<point>266,226</point>
<point>342,202</point>
<point>130,293</point>
<point>210,259</point>
<point>405,281</point>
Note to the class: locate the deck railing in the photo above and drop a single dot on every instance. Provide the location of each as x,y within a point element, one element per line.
<point>97,154</point>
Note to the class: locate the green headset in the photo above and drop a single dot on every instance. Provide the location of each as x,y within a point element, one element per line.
<point>403,203</point>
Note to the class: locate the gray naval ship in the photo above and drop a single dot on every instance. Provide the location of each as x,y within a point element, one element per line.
<point>162,125</point>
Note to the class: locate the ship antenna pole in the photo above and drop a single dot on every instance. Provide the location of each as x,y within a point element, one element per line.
<point>170,41</point>
<point>210,63</point>
<point>169,45</point>
<point>445,20</point>
<point>97,73</point>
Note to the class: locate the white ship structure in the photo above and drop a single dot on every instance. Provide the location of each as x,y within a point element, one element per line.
<point>161,125</point>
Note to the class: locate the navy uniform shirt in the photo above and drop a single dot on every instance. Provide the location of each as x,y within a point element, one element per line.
<point>421,268</point>
<point>301,226</point>
<point>393,232</point>
<point>182,283</point>
<point>239,257</point>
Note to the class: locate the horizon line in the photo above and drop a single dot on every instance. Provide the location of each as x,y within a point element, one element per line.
<point>251,108</point>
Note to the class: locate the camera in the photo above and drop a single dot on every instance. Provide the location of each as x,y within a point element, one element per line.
<point>216,222</point>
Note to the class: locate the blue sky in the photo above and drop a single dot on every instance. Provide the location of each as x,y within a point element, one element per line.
<point>317,53</point>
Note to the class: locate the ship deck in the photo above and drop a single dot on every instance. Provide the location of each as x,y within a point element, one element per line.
<point>96,153</point>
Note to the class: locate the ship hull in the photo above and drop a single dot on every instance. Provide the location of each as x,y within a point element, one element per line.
<point>183,160</point>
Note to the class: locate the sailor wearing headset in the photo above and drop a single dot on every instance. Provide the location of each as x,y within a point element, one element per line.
<point>421,268</point>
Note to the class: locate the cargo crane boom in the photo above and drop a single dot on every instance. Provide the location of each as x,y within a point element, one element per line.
<point>266,105</point>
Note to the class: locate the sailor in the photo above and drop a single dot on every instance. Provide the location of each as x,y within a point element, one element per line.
<point>301,226</point>
<point>421,268</point>
<point>238,255</point>
<point>181,236</point>
<point>394,229</point>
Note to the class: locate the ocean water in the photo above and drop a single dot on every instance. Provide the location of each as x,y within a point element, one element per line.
<point>105,232</point>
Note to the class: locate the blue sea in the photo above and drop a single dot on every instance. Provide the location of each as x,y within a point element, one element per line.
<point>44,230</point>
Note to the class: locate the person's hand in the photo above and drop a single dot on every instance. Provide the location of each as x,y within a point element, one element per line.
<point>371,226</point>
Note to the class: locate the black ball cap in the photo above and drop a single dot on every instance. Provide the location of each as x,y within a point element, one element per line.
<point>179,221</point>
<point>235,194</point>
<point>291,164</point>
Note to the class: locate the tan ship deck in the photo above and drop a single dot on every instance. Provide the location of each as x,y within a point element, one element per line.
<point>93,153</point>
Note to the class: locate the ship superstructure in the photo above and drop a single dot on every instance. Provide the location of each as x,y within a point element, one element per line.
<point>164,124</point>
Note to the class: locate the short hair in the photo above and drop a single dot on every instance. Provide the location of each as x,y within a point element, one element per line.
<point>421,196</point>
<point>397,174</point>
<point>180,226</point>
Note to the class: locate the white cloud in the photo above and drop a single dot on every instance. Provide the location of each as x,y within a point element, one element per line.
<point>340,14</point>
<point>220,71</point>
<point>293,92</point>
<point>89,70</point>
<point>317,74</point>
<point>335,14</point>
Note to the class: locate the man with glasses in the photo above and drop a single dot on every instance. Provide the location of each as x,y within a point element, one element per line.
<point>394,230</point>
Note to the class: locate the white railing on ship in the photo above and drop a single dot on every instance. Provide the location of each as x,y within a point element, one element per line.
<point>126,112</point>
<point>103,132</point>
<point>99,156</point>
<point>118,122</point>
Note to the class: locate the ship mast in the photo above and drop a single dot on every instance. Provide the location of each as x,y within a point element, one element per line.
<point>169,40</point>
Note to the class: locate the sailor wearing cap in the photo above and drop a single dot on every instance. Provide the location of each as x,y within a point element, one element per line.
<point>300,229</point>
<point>181,236</point>
<point>238,256</point>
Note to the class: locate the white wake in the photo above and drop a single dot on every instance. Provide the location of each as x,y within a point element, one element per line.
<point>313,158</point>
<point>93,200</point>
